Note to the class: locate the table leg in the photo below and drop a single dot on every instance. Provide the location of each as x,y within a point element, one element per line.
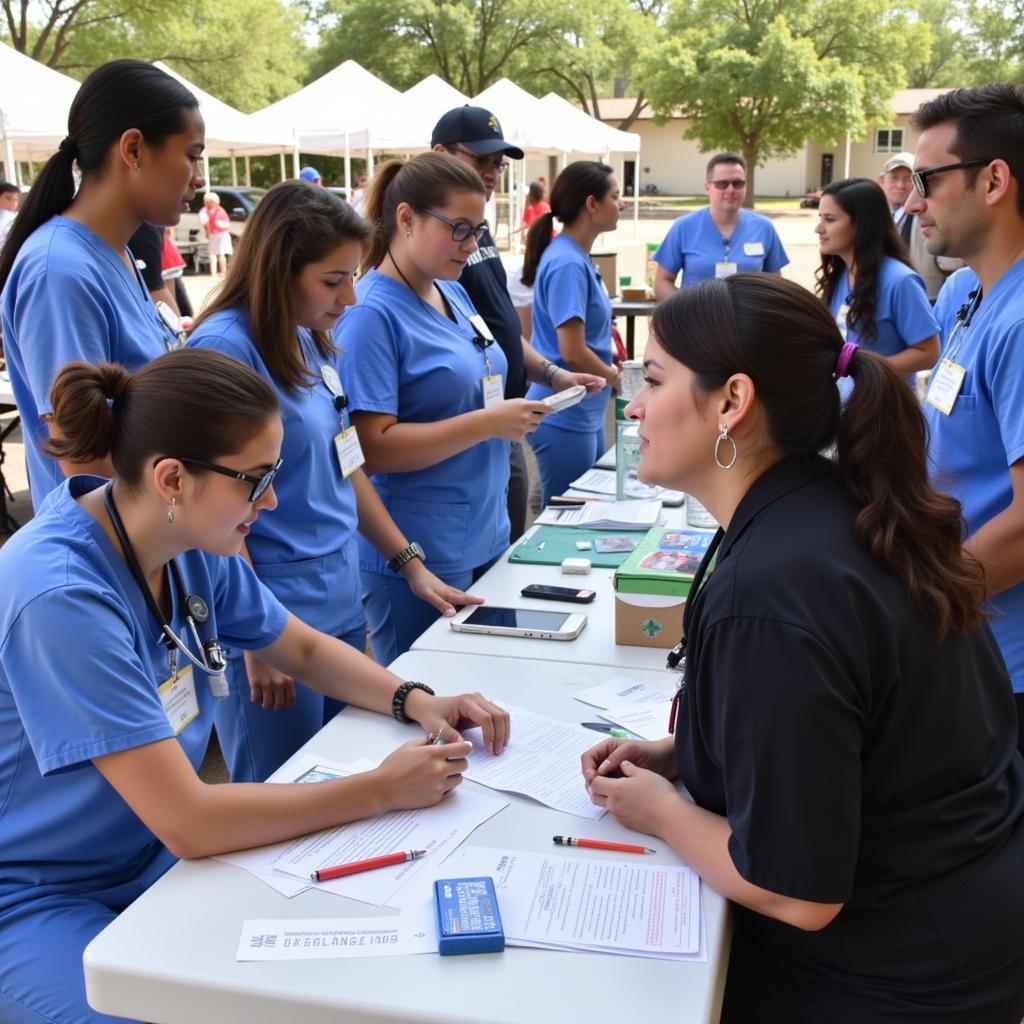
<point>630,337</point>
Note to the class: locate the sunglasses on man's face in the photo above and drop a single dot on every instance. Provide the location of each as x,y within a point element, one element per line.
<point>723,183</point>
<point>920,178</point>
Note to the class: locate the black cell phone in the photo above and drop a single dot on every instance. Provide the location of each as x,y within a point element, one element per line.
<point>545,593</point>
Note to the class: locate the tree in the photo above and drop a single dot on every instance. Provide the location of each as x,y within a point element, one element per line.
<point>948,51</point>
<point>763,76</point>
<point>997,30</point>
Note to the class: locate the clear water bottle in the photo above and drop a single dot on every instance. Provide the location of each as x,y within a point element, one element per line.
<point>627,441</point>
<point>697,515</point>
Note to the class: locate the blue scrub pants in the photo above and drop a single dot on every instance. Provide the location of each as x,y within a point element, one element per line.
<point>41,944</point>
<point>397,616</point>
<point>325,593</point>
<point>564,455</point>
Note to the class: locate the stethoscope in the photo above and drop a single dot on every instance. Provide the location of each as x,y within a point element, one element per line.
<point>212,659</point>
<point>964,317</point>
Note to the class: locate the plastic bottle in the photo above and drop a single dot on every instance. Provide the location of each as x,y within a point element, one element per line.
<point>697,515</point>
<point>627,442</point>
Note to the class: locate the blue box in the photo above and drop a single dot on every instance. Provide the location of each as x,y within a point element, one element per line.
<point>466,912</point>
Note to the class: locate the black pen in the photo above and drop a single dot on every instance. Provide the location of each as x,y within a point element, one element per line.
<point>612,730</point>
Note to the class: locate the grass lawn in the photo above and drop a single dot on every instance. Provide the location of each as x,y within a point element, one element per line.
<point>775,204</point>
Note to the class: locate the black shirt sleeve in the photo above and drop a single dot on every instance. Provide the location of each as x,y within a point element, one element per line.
<point>146,245</point>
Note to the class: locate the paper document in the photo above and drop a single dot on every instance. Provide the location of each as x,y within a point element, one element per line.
<point>438,830</point>
<point>411,931</point>
<point>602,481</point>
<point>542,761</point>
<point>649,721</point>
<point>568,902</point>
<point>605,515</point>
<point>621,692</point>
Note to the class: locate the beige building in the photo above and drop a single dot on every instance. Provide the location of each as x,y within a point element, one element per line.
<point>676,165</point>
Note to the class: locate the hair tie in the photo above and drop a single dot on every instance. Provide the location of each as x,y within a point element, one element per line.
<point>843,362</point>
<point>69,147</point>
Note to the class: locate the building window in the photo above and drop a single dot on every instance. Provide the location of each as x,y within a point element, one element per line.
<point>888,140</point>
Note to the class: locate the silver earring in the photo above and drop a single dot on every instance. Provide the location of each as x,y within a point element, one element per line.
<point>135,165</point>
<point>723,435</point>
<point>408,234</point>
<point>170,512</point>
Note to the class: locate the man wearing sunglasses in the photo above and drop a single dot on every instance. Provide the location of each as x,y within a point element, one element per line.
<point>473,136</point>
<point>723,238</point>
<point>969,200</point>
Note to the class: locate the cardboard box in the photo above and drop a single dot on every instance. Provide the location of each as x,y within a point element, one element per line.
<point>652,584</point>
<point>605,264</point>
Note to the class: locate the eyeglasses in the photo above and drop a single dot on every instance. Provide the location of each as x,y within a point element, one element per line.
<point>259,483</point>
<point>462,230</point>
<point>723,183</point>
<point>483,162</point>
<point>920,178</point>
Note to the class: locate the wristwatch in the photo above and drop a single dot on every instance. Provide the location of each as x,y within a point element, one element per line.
<point>406,555</point>
<point>549,373</point>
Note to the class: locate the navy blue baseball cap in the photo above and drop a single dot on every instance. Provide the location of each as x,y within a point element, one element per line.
<point>476,129</point>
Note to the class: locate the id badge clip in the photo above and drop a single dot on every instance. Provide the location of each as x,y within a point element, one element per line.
<point>945,386</point>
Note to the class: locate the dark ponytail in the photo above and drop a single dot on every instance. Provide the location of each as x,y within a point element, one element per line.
<point>423,182</point>
<point>193,403</point>
<point>115,97</point>
<point>786,341</point>
<point>572,188</point>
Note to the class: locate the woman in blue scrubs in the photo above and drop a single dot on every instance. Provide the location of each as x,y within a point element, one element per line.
<point>71,289</point>
<point>572,313</point>
<point>293,276</point>
<point>104,721</point>
<point>867,280</point>
<point>425,386</point>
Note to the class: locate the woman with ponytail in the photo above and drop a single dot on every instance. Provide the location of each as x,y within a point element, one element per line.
<point>425,383</point>
<point>572,313</point>
<point>71,289</point>
<point>293,277</point>
<point>108,680</point>
<point>845,725</point>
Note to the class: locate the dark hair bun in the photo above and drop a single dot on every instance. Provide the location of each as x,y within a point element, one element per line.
<point>87,403</point>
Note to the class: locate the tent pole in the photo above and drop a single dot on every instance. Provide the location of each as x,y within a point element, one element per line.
<point>295,158</point>
<point>284,166</point>
<point>234,171</point>
<point>348,167</point>
<point>10,165</point>
<point>369,163</point>
<point>248,172</point>
<point>636,195</point>
<point>206,169</point>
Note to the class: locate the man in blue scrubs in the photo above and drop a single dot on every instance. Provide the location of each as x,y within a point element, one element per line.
<point>723,238</point>
<point>969,201</point>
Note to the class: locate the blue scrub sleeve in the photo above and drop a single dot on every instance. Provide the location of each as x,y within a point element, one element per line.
<point>247,613</point>
<point>911,311</point>
<point>670,254</point>
<point>370,360</point>
<point>1005,379</point>
<point>59,318</point>
<point>244,353</point>
<point>775,257</point>
<point>565,294</point>
<point>80,687</point>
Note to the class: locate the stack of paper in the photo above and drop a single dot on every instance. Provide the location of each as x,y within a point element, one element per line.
<point>631,704</point>
<point>605,515</point>
<point>602,482</point>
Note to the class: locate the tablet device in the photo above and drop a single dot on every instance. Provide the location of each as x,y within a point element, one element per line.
<point>527,622</point>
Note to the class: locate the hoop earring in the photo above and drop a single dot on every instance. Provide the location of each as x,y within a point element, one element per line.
<point>723,435</point>
<point>170,512</point>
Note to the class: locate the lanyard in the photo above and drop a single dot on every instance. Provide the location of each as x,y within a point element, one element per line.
<point>677,656</point>
<point>330,379</point>
<point>958,335</point>
<point>726,245</point>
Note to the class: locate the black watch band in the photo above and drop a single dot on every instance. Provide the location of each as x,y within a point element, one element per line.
<point>398,701</point>
<point>405,556</point>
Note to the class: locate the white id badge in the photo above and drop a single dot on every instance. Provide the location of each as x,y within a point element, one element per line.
<point>725,268</point>
<point>494,390</point>
<point>944,387</point>
<point>481,326</point>
<point>331,379</point>
<point>350,452</point>
<point>753,248</point>
<point>178,696</point>
<point>843,320</point>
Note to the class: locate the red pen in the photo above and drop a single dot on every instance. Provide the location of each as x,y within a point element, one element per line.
<point>600,844</point>
<point>326,874</point>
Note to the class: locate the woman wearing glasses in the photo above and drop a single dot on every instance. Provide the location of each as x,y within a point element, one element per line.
<point>104,718</point>
<point>426,391</point>
<point>867,280</point>
<point>285,291</point>
<point>572,325</point>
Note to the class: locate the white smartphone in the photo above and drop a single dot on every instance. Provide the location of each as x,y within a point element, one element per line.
<point>566,398</point>
<point>528,622</point>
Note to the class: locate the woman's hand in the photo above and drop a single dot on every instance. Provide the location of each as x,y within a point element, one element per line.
<point>565,379</point>
<point>268,687</point>
<point>419,774</point>
<point>606,757</point>
<point>432,589</point>
<point>642,800</point>
<point>445,717</point>
<point>514,418</point>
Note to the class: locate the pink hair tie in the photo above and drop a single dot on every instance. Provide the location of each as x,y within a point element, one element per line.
<point>843,362</point>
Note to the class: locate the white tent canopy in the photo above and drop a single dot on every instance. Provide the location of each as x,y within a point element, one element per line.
<point>34,105</point>
<point>586,133</point>
<point>407,122</point>
<point>524,121</point>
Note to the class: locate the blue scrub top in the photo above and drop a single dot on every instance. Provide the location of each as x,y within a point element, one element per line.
<point>401,357</point>
<point>568,287</point>
<point>70,297</point>
<point>972,449</point>
<point>953,294</point>
<point>694,244</point>
<point>903,314</point>
<point>316,510</point>
<point>80,663</point>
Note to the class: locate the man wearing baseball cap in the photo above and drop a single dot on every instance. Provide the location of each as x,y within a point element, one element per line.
<point>310,174</point>
<point>473,135</point>
<point>895,182</point>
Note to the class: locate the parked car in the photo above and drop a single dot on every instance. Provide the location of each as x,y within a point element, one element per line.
<point>810,200</point>
<point>238,201</point>
<point>338,190</point>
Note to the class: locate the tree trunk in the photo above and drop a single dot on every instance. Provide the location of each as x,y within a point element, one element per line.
<point>638,109</point>
<point>749,147</point>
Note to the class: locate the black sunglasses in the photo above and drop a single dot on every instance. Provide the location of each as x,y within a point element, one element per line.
<point>920,178</point>
<point>259,483</point>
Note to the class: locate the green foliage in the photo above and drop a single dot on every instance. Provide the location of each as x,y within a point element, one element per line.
<point>996,28</point>
<point>948,53</point>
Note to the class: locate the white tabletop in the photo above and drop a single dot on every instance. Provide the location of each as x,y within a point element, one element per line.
<point>170,957</point>
<point>6,392</point>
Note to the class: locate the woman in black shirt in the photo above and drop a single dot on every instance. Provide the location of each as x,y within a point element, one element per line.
<point>846,726</point>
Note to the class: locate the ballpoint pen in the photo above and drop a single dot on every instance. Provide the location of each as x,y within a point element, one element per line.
<point>600,844</point>
<point>341,870</point>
